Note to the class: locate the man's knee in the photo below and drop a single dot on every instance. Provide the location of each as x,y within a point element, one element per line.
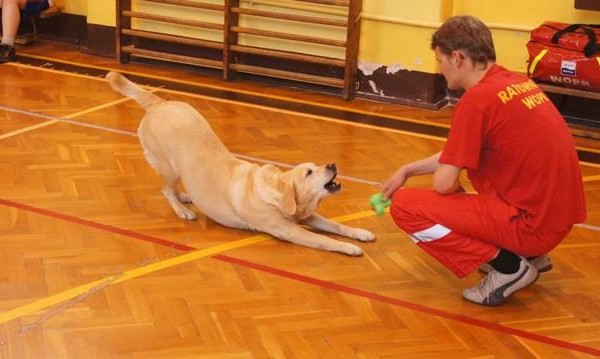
<point>401,209</point>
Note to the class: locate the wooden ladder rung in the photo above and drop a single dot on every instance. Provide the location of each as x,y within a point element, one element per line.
<point>173,38</point>
<point>343,15</point>
<point>190,3</point>
<point>157,55</point>
<point>328,2</point>
<point>173,20</point>
<point>291,17</point>
<point>287,36</point>
<point>288,75</point>
<point>569,91</point>
<point>289,55</point>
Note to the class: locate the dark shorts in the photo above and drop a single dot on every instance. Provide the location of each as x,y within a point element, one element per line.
<point>35,7</point>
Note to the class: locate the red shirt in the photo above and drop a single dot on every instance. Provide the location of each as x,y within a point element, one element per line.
<point>513,142</point>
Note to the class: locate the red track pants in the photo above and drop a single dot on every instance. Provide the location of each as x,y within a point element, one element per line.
<point>463,231</point>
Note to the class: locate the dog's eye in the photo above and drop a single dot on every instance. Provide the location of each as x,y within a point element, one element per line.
<point>308,173</point>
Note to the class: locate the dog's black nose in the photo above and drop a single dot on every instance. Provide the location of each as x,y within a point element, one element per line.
<point>331,167</point>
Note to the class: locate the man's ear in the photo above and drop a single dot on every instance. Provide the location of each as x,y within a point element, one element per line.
<point>458,57</point>
<point>288,194</point>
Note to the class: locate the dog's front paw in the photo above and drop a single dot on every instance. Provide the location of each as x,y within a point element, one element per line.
<point>186,214</point>
<point>350,249</point>
<point>362,235</point>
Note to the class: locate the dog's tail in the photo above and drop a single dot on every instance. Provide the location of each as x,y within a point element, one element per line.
<point>121,84</point>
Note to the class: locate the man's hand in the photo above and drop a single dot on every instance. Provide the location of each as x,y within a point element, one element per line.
<point>393,183</point>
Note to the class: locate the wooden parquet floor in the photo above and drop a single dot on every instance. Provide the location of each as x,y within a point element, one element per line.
<point>94,263</point>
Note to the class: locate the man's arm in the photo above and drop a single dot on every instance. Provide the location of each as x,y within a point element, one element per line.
<point>416,168</point>
<point>446,179</point>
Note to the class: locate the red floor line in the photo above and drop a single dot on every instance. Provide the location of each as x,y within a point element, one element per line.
<point>411,306</point>
<point>310,280</point>
<point>100,226</point>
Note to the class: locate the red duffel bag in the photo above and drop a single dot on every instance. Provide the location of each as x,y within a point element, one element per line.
<point>566,55</point>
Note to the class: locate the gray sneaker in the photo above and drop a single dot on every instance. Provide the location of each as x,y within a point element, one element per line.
<point>542,263</point>
<point>496,287</point>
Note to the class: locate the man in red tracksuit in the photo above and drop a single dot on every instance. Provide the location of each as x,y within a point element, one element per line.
<point>518,154</point>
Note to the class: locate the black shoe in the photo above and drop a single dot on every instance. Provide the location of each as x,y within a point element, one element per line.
<point>7,53</point>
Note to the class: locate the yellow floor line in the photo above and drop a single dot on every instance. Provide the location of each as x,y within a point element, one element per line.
<point>270,96</point>
<point>248,92</point>
<point>307,115</point>
<point>188,257</point>
<point>96,108</point>
<point>354,216</point>
<point>27,129</point>
<point>260,107</point>
<point>70,294</point>
<point>106,105</point>
<point>222,88</point>
<point>591,178</point>
<point>121,277</point>
<point>60,72</point>
<point>589,164</point>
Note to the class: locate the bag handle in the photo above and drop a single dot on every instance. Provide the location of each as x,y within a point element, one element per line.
<point>591,47</point>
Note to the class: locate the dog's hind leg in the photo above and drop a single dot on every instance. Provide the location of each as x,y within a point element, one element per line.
<point>183,198</point>
<point>174,198</point>
<point>169,190</point>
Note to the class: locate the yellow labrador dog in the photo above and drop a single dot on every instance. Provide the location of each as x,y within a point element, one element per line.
<point>179,143</point>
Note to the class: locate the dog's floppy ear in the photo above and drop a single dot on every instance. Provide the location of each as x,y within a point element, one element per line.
<point>288,192</point>
<point>277,189</point>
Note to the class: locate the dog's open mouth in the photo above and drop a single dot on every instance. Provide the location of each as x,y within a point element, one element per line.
<point>332,186</point>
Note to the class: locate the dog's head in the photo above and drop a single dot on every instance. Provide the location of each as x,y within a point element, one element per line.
<point>304,186</point>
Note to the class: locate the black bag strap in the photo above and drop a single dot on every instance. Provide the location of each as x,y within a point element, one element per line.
<point>591,47</point>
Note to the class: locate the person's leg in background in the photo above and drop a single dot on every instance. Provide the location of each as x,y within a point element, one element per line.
<point>11,16</point>
<point>33,9</point>
<point>51,10</point>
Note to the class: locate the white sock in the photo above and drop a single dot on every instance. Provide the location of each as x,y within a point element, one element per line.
<point>8,40</point>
